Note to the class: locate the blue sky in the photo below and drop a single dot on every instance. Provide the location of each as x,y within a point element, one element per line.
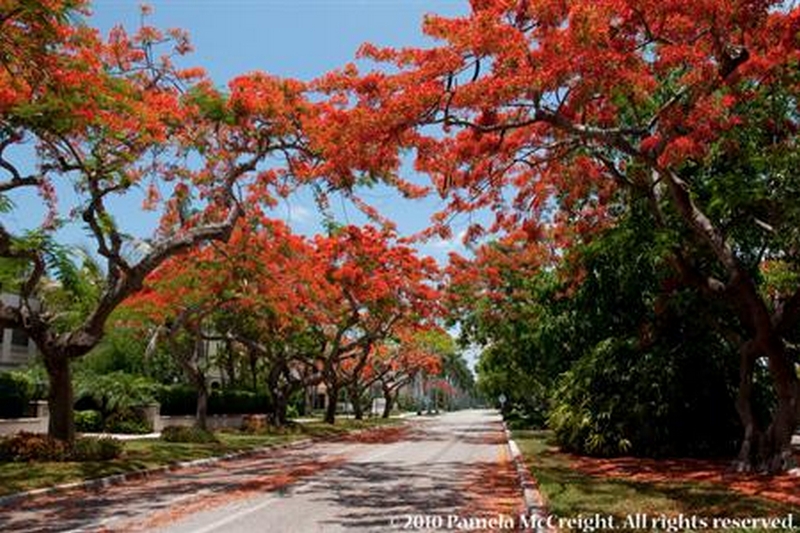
<point>290,38</point>
<point>299,39</point>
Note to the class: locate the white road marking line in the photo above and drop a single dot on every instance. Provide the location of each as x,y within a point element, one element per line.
<point>235,516</point>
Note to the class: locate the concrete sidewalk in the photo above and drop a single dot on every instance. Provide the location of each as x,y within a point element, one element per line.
<point>122,436</point>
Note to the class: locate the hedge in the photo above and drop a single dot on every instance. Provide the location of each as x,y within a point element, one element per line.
<point>181,400</point>
<point>16,393</point>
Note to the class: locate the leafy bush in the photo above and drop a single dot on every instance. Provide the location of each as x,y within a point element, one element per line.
<point>115,392</point>
<point>121,350</point>
<point>89,421</point>
<point>524,417</point>
<point>187,434</point>
<point>237,402</point>
<point>96,449</point>
<point>181,400</point>
<point>407,402</point>
<point>620,399</point>
<point>177,400</point>
<point>16,392</point>
<point>26,446</point>
<point>126,422</point>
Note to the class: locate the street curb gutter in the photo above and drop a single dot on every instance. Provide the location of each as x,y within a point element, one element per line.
<point>118,479</point>
<point>535,507</point>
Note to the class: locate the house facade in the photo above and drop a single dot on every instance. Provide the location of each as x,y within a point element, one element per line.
<point>16,349</point>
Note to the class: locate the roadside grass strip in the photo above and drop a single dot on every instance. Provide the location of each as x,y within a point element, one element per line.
<point>646,494</point>
<point>144,456</point>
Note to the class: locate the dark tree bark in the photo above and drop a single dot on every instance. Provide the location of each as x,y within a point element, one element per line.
<point>768,449</point>
<point>744,406</point>
<point>354,392</point>
<point>278,394</point>
<point>330,408</point>
<point>230,363</point>
<point>389,399</point>
<point>60,399</point>
<point>201,417</point>
<point>253,362</point>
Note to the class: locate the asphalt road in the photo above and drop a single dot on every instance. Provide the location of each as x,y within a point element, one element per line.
<point>434,474</point>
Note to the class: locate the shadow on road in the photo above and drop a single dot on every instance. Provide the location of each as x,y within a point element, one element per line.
<point>373,494</point>
<point>166,494</point>
<point>436,467</point>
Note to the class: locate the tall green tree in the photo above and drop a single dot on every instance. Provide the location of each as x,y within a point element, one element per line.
<point>549,113</point>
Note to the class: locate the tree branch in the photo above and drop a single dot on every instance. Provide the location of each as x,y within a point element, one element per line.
<point>17,179</point>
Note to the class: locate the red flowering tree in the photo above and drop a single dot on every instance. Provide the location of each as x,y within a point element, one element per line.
<point>558,114</point>
<point>108,116</point>
<point>310,310</point>
<point>398,362</point>
<point>377,285</point>
<point>256,293</point>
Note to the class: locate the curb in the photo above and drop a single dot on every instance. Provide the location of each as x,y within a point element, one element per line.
<point>118,479</point>
<point>535,507</point>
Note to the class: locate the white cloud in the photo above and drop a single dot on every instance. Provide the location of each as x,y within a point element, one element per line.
<point>298,213</point>
<point>452,244</point>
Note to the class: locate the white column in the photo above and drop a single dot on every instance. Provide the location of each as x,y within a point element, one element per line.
<point>5,348</point>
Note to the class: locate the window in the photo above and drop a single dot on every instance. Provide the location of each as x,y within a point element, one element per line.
<point>19,338</point>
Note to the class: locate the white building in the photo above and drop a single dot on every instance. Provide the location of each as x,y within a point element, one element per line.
<point>16,349</point>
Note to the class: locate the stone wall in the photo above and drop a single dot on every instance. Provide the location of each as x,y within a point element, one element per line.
<point>215,422</point>
<point>40,419</point>
<point>36,423</point>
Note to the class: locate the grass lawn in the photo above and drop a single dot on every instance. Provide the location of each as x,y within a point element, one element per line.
<point>148,453</point>
<point>570,492</point>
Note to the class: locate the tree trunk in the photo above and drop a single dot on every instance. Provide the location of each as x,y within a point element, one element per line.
<point>744,406</point>
<point>355,401</point>
<point>779,456</point>
<point>230,365</point>
<point>388,398</point>
<point>276,396</point>
<point>768,450</point>
<point>253,360</point>
<point>308,402</point>
<point>330,409</point>
<point>201,421</point>
<point>279,407</point>
<point>60,399</point>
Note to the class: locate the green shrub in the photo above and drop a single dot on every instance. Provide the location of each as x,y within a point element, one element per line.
<point>237,402</point>
<point>181,400</point>
<point>524,417</point>
<point>187,434</point>
<point>110,448</point>
<point>16,392</point>
<point>26,446</point>
<point>407,402</point>
<point>114,392</point>
<point>621,400</point>
<point>177,400</point>
<point>96,449</point>
<point>89,421</point>
<point>127,422</point>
